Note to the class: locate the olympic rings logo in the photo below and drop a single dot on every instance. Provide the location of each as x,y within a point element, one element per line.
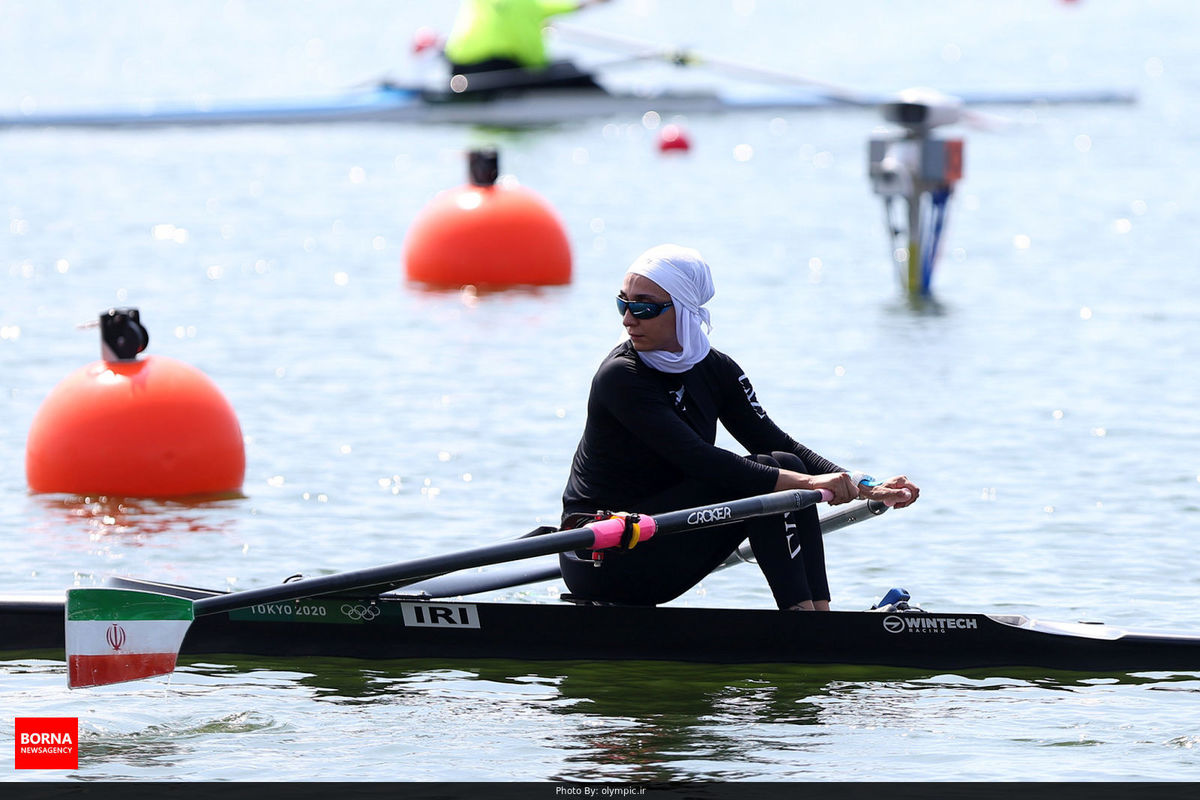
<point>361,613</point>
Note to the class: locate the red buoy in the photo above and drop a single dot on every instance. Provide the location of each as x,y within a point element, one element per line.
<point>123,426</point>
<point>673,138</point>
<point>487,235</point>
<point>425,39</point>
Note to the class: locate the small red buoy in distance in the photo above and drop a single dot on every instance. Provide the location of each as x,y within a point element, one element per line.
<point>487,235</point>
<point>673,138</point>
<point>425,39</point>
<point>130,427</point>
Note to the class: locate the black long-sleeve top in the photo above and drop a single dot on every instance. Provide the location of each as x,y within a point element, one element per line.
<point>648,430</point>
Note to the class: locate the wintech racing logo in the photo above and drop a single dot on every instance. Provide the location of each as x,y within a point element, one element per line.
<point>924,623</point>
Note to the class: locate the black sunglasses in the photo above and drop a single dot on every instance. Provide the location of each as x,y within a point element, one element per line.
<point>641,310</point>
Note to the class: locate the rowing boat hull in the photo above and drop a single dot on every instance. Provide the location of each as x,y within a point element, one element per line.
<point>399,628</point>
<point>531,108</point>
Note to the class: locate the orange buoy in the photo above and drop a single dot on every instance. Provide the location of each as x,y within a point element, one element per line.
<point>673,138</point>
<point>124,426</point>
<point>487,235</point>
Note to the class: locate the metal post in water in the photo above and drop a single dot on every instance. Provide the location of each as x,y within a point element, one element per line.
<point>921,170</point>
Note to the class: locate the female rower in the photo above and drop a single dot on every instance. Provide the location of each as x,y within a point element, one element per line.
<point>649,446</point>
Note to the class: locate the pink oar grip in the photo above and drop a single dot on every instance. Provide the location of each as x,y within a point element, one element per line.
<point>826,495</point>
<point>608,532</point>
<point>649,527</point>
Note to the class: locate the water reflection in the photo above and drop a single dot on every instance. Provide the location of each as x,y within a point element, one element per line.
<point>650,690</point>
<point>165,745</point>
<point>132,519</point>
<point>917,306</point>
<point>660,721</point>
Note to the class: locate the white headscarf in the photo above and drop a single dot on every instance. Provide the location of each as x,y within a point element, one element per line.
<point>684,275</point>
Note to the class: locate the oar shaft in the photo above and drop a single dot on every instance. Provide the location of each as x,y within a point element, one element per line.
<point>459,584</point>
<point>391,575</point>
<point>686,57</point>
<point>850,514</point>
<point>722,513</point>
<point>834,521</point>
<point>598,535</point>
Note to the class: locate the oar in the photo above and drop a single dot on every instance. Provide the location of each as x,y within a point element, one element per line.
<point>683,57</point>
<point>833,521</point>
<point>837,93</point>
<point>461,585</point>
<point>116,635</point>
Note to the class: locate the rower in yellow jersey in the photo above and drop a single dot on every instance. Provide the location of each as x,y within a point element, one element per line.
<point>495,35</point>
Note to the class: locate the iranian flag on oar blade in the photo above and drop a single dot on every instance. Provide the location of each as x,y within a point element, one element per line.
<point>116,635</point>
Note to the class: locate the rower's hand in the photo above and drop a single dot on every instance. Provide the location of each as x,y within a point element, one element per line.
<point>839,483</point>
<point>897,492</point>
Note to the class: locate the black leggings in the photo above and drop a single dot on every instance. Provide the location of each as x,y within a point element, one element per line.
<point>788,549</point>
<point>512,75</point>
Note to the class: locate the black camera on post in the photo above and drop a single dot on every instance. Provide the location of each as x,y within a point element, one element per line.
<point>122,336</point>
<point>483,166</point>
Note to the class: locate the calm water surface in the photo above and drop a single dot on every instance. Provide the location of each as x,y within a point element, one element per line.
<point>1046,402</point>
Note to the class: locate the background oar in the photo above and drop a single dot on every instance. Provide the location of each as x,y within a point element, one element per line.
<point>461,585</point>
<point>684,57</point>
<point>115,635</point>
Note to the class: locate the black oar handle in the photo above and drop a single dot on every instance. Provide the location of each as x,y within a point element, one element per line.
<point>392,575</point>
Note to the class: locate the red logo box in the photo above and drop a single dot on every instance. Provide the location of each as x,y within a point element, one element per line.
<point>47,742</point>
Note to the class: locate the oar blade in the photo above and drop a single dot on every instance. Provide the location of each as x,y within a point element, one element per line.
<point>118,635</point>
